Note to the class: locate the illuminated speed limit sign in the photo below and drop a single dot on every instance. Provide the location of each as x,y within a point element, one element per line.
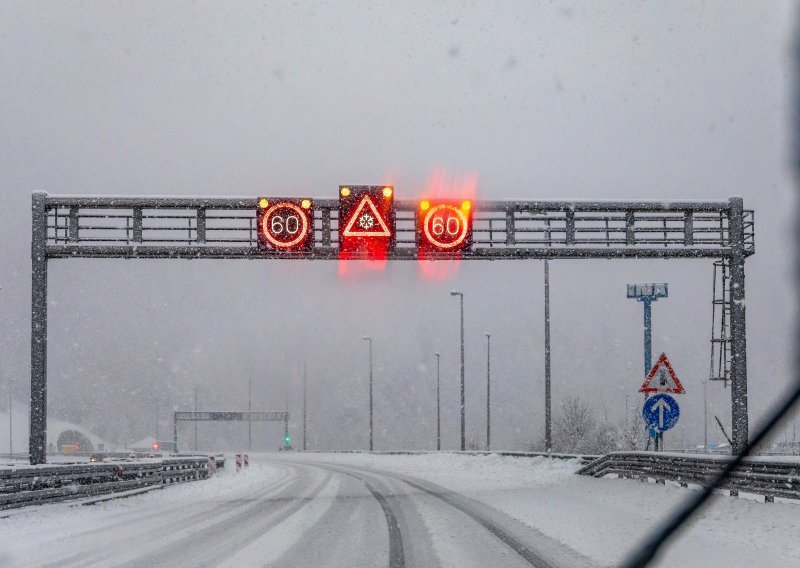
<point>444,227</point>
<point>285,224</point>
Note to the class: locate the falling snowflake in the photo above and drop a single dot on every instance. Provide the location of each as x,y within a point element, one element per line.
<point>366,221</point>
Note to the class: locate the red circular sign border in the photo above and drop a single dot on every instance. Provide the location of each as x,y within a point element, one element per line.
<point>436,243</point>
<point>268,213</point>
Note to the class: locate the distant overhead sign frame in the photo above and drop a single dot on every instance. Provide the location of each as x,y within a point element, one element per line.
<point>226,416</point>
<point>70,227</point>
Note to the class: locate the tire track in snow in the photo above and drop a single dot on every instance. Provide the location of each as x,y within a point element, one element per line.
<point>558,554</point>
<point>139,526</point>
<point>396,553</point>
<point>210,545</point>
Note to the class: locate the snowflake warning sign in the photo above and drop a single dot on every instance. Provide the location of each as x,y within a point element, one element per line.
<point>366,221</point>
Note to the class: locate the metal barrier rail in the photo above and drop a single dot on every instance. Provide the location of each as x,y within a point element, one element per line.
<point>174,227</point>
<point>584,458</point>
<point>768,476</point>
<point>23,486</point>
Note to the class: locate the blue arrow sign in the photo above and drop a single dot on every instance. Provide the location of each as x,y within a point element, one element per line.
<point>661,412</point>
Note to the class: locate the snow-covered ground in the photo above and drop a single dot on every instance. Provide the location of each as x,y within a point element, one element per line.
<point>603,518</point>
<point>313,509</point>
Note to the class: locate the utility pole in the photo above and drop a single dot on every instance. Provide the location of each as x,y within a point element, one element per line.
<point>488,392</point>
<point>705,416</point>
<point>249,413</point>
<point>438,409</point>
<point>10,418</point>
<point>158,445</point>
<point>370,391</point>
<point>287,441</point>
<point>463,429</point>
<point>175,428</point>
<point>305,396</point>
<point>627,414</point>
<point>195,422</point>
<point>548,416</point>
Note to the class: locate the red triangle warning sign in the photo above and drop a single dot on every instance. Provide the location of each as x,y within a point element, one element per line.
<point>366,221</point>
<point>662,378</point>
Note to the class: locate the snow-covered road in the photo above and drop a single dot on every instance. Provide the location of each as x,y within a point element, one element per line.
<point>334,510</point>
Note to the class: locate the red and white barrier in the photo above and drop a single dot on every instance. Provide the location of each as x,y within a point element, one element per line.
<point>246,460</point>
<point>238,462</point>
<point>212,465</point>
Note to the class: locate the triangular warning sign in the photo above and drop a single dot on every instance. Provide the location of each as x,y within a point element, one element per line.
<point>662,378</point>
<point>367,223</point>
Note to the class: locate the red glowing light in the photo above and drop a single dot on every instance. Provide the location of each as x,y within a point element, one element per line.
<point>374,227</point>
<point>445,227</point>
<point>285,225</point>
<point>459,194</point>
<point>366,221</point>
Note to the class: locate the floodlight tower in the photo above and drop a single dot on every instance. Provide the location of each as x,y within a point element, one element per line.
<point>647,294</point>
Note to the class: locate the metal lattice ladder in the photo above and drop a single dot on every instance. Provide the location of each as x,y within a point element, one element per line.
<point>720,323</point>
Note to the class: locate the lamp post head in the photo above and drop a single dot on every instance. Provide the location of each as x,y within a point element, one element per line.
<point>454,293</point>
<point>366,338</point>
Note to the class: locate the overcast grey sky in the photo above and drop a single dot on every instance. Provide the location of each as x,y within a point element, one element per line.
<point>538,100</point>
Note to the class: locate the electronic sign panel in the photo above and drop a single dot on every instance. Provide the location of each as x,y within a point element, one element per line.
<point>444,226</point>
<point>366,221</point>
<point>285,224</point>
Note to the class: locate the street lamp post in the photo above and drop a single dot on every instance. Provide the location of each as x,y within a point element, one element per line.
<point>305,396</point>
<point>10,418</point>
<point>438,409</point>
<point>370,391</point>
<point>158,445</point>
<point>488,391</point>
<point>195,422</point>
<point>548,415</point>
<point>463,430</point>
<point>249,414</point>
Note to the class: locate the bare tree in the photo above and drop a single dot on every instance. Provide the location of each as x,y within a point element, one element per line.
<point>632,434</point>
<point>574,426</point>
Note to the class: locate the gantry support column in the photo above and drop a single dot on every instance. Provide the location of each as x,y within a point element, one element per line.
<point>38,426</point>
<point>739,419</point>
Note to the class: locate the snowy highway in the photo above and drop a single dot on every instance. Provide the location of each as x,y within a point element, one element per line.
<point>374,511</point>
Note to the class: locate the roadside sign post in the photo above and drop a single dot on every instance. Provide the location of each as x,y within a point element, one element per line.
<point>661,411</point>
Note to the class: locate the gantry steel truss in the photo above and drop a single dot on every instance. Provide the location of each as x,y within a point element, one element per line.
<point>225,228</point>
<point>226,416</point>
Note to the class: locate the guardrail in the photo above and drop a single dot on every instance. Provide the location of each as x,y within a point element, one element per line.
<point>584,458</point>
<point>32,485</point>
<point>760,475</point>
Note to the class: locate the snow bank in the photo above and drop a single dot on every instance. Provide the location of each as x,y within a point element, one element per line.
<point>604,518</point>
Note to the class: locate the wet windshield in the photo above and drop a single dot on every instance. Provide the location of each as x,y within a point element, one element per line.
<point>396,284</point>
